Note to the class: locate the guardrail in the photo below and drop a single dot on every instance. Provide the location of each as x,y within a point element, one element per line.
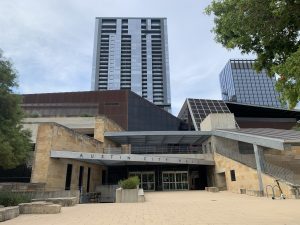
<point>166,150</point>
<point>279,172</point>
<point>112,150</point>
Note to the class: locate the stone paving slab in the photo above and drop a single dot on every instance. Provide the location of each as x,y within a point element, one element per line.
<point>177,208</point>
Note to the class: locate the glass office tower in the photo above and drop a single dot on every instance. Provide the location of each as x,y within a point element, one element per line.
<point>242,84</point>
<point>132,53</point>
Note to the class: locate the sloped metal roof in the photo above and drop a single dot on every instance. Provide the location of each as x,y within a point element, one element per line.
<point>267,137</point>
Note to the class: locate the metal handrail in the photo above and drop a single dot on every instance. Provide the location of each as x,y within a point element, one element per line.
<point>112,150</point>
<point>156,149</point>
<point>267,168</point>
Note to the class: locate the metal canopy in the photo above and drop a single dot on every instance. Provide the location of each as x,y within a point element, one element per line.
<point>267,137</point>
<point>158,137</point>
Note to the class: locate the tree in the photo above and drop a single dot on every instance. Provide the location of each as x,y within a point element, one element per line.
<point>15,143</point>
<point>270,30</point>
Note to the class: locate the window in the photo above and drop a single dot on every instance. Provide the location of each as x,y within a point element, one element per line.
<point>68,177</point>
<point>81,170</point>
<point>232,175</point>
<point>88,180</point>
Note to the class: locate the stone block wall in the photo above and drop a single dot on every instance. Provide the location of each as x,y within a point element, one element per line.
<point>51,171</point>
<point>22,187</point>
<point>288,159</point>
<point>103,124</point>
<point>246,177</point>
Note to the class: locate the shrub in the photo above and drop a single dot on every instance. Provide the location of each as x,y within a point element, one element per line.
<point>13,199</point>
<point>130,183</point>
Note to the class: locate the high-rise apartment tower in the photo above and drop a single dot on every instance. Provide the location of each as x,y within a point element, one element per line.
<point>242,84</point>
<point>132,53</point>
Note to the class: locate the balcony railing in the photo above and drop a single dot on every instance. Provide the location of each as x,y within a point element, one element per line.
<point>166,150</point>
<point>157,150</point>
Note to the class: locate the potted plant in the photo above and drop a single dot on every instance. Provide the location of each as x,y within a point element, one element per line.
<point>128,191</point>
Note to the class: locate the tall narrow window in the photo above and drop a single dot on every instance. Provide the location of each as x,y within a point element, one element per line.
<point>68,177</point>
<point>232,175</point>
<point>81,170</point>
<point>103,176</point>
<point>88,180</point>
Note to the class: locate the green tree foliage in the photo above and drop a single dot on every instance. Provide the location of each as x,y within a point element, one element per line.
<point>296,128</point>
<point>289,82</point>
<point>130,183</point>
<point>15,142</point>
<point>13,199</point>
<point>270,30</point>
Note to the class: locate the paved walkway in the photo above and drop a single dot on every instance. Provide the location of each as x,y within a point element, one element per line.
<point>172,208</point>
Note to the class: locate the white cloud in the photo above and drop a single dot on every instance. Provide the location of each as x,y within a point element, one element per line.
<point>51,43</point>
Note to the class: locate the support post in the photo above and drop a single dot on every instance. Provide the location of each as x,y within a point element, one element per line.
<point>257,150</point>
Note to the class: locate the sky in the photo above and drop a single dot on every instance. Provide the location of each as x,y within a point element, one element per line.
<point>50,43</point>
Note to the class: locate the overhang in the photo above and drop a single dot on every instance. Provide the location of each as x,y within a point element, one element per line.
<point>130,159</point>
<point>158,137</point>
<point>266,137</point>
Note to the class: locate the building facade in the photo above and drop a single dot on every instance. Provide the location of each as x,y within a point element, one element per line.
<point>242,84</point>
<point>92,154</point>
<point>65,159</point>
<point>132,53</point>
<point>126,108</point>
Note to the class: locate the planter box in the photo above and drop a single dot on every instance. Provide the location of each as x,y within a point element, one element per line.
<point>141,195</point>
<point>126,195</point>
<point>212,189</point>
<point>64,202</point>
<point>39,208</point>
<point>8,213</point>
<point>118,195</point>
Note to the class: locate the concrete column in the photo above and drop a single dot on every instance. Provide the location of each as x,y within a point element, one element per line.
<point>257,150</point>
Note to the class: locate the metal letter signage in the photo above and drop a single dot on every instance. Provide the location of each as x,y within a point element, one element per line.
<point>128,157</point>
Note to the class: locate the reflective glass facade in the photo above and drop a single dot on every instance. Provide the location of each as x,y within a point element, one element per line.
<point>132,53</point>
<point>241,83</point>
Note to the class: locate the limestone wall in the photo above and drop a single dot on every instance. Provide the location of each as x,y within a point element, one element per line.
<point>102,125</point>
<point>52,172</point>
<point>246,177</point>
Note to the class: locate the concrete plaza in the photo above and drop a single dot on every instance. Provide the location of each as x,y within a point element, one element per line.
<point>185,207</point>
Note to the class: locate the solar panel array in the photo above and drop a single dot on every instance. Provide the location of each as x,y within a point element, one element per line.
<point>201,108</point>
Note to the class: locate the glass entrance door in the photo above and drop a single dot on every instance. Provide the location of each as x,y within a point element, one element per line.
<point>147,180</point>
<point>175,180</point>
